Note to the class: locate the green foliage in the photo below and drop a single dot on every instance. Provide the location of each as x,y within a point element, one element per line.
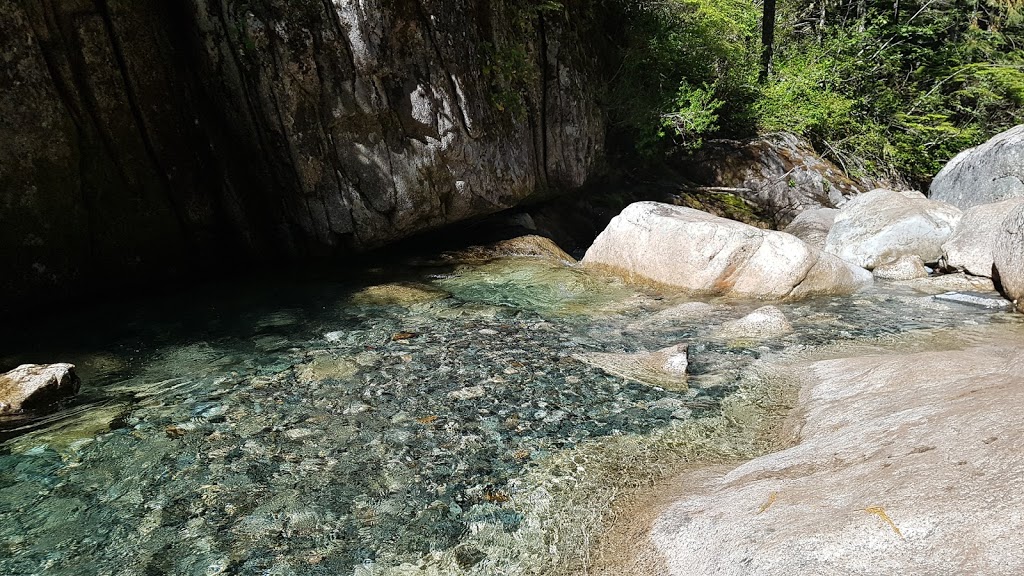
<point>880,90</point>
<point>692,115</point>
<point>687,64</point>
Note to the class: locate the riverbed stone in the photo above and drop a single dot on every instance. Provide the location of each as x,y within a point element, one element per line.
<point>761,324</point>
<point>882,225</point>
<point>812,226</point>
<point>970,247</point>
<point>32,386</point>
<point>1008,257</point>
<point>906,464</point>
<point>661,244</point>
<point>988,173</point>
<point>665,368</point>
<point>905,267</point>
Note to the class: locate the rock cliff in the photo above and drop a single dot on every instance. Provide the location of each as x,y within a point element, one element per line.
<point>140,136</point>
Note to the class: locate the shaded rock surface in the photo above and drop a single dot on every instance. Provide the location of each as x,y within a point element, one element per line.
<point>984,174</point>
<point>882,225</point>
<point>970,247</point>
<point>812,226</point>
<point>903,268</point>
<point>779,172</point>
<point>894,473</point>
<point>32,386</point>
<point>1008,257</point>
<point>139,134</point>
<point>680,247</point>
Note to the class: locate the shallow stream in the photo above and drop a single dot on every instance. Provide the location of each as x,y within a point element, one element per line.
<point>436,420</point>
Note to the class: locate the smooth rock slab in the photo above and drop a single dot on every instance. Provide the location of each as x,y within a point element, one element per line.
<point>32,386</point>
<point>984,174</point>
<point>650,242</point>
<point>907,464</point>
<point>882,225</point>
<point>970,247</point>
<point>978,299</point>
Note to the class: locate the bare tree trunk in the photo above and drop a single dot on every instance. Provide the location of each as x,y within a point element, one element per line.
<point>767,40</point>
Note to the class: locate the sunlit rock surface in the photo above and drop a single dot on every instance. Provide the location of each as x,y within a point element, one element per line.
<point>35,385</point>
<point>907,267</point>
<point>882,225</point>
<point>695,251</point>
<point>906,463</point>
<point>984,174</point>
<point>971,245</point>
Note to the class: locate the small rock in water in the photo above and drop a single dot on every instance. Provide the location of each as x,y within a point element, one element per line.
<point>763,323</point>
<point>665,368</point>
<point>36,385</point>
<point>975,299</point>
<point>467,393</point>
<point>487,332</point>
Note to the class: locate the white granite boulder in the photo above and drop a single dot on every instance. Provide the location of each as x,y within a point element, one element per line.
<point>812,226</point>
<point>1008,257</point>
<point>882,225</point>
<point>907,267</point>
<point>970,247</point>
<point>656,243</point>
<point>984,174</point>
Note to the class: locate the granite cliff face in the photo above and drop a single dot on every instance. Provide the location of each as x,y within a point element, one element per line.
<point>140,136</point>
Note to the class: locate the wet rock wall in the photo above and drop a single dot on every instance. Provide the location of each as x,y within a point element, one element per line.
<point>140,137</point>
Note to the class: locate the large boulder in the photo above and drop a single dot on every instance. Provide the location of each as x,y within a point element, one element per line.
<point>882,225</point>
<point>988,173</point>
<point>907,267</point>
<point>780,173</point>
<point>907,464</point>
<point>813,226</point>
<point>1008,257</point>
<point>32,386</point>
<point>970,247</point>
<point>650,242</point>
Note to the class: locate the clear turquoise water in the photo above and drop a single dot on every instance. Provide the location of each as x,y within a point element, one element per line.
<point>323,428</point>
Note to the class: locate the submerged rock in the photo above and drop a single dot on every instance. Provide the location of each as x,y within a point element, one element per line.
<point>32,386</point>
<point>906,267</point>
<point>665,368</point>
<point>670,245</point>
<point>979,299</point>
<point>397,294</point>
<point>761,324</point>
<point>984,174</point>
<point>907,464</point>
<point>970,247</point>
<point>882,225</point>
